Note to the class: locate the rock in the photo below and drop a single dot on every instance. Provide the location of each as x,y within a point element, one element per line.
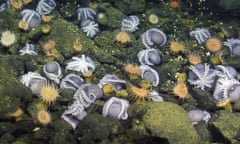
<point>204,99</point>
<point>169,121</point>
<point>96,128</point>
<point>114,15</point>
<point>13,94</point>
<point>6,127</point>
<point>228,125</point>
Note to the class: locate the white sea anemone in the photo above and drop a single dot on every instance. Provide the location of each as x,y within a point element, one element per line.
<point>8,38</point>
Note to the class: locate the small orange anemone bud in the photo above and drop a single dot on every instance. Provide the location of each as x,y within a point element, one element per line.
<point>174,4</point>
<point>17,113</point>
<point>77,45</point>
<point>17,4</point>
<point>44,117</point>
<point>123,37</point>
<point>23,25</point>
<point>45,28</point>
<point>49,45</point>
<point>46,18</point>
<point>132,69</point>
<point>180,90</point>
<point>194,59</point>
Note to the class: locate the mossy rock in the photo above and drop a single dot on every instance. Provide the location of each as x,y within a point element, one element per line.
<point>12,93</point>
<point>16,64</point>
<point>169,121</point>
<point>65,34</point>
<point>96,128</point>
<point>114,15</point>
<point>204,99</point>
<point>12,87</point>
<point>228,125</point>
<point>131,6</point>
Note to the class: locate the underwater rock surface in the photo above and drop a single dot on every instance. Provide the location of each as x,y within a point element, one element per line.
<point>169,121</point>
<point>228,125</point>
<point>29,44</point>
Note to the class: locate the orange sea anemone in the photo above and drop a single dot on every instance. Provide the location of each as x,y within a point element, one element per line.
<point>88,75</point>
<point>132,69</point>
<point>194,59</point>
<point>77,45</point>
<point>49,93</point>
<point>123,38</point>
<point>17,114</point>
<point>44,117</point>
<point>17,4</point>
<point>174,4</point>
<point>213,44</point>
<point>138,94</point>
<point>176,47</point>
<point>50,44</point>
<point>46,18</point>
<point>180,90</point>
<point>225,104</point>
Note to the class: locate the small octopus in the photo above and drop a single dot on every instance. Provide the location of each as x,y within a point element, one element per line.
<point>90,27</point>
<point>71,81</point>
<point>130,23</point>
<point>86,94</point>
<point>45,7</point>
<point>150,74</point>
<point>234,46</point>
<point>5,5</point>
<point>116,108</point>
<point>197,116</point>
<point>33,80</point>
<point>149,57</point>
<point>28,49</point>
<point>113,80</point>
<point>155,96</point>
<point>227,88</point>
<point>152,37</point>
<point>74,114</point>
<point>226,71</point>
<point>31,17</point>
<point>53,71</point>
<point>202,76</point>
<point>200,34</point>
<point>85,13</point>
<point>83,64</point>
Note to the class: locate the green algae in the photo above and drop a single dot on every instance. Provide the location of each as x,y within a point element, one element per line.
<point>13,93</point>
<point>110,58</point>
<point>204,99</point>
<point>130,6</point>
<point>95,127</point>
<point>228,125</point>
<point>169,121</point>
<point>230,4</point>
<point>114,15</point>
